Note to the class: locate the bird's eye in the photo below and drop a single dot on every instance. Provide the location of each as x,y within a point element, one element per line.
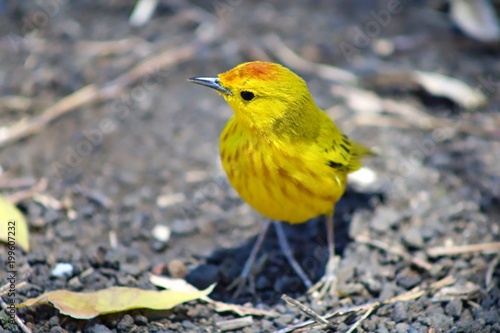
<point>247,95</point>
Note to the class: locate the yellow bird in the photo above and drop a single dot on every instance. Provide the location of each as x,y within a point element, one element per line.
<point>283,155</point>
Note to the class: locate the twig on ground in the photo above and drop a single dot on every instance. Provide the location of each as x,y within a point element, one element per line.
<point>370,307</point>
<point>29,193</point>
<point>309,312</point>
<point>461,249</point>
<point>465,291</point>
<point>399,252</point>
<point>489,272</point>
<point>47,201</point>
<point>373,110</point>
<point>292,59</point>
<point>93,93</point>
<point>360,320</point>
<point>5,288</point>
<point>234,324</point>
<point>18,320</point>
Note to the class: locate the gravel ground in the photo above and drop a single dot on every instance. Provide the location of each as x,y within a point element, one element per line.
<point>114,169</point>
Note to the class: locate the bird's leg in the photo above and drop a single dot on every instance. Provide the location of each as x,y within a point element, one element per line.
<point>245,276</point>
<point>287,251</point>
<point>328,283</point>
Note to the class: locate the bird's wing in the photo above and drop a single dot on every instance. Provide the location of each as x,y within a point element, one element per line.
<point>339,151</point>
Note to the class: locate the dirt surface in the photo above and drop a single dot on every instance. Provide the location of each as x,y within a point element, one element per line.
<point>117,167</point>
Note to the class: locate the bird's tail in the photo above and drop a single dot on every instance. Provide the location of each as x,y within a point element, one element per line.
<point>358,151</point>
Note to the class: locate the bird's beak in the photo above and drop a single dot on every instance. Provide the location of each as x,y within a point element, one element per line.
<point>211,82</point>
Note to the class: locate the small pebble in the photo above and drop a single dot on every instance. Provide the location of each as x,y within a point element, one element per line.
<point>400,312</point>
<point>413,238</point>
<point>267,325</point>
<point>141,320</point>
<point>440,321</point>
<point>284,320</point>
<point>75,283</point>
<point>51,216</point>
<point>177,269</point>
<point>134,269</point>
<point>98,328</point>
<point>418,328</point>
<point>381,328</point>
<point>402,328</point>
<point>388,291</point>
<point>408,278</point>
<point>157,246</point>
<point>65,231</point>
<point>373,285</point>
<point>54,321</point>
<point>125,324</point>
<point>384,218</point>
<point>370,324</point>
<point>492,316</point>
<point>188,324</point>
<point>183,227</point>
<point>161,233</point>
<point>62,270</point>
<point>454,308</point>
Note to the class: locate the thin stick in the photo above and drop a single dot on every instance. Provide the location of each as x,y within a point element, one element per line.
<point>360,320</point>
<point>383,246</point>
<point>233,324</point>
<point>489,272</point>
<point>309,312</point>
<point>92,93</point>
<point>16,197</point>
<point>454,250</point>
<point>292,59</point>
<point>5,288</point>
<point>410,295</point>
<point>18,320</point>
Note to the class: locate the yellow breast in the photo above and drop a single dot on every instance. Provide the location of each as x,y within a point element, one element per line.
<point>291,185</point>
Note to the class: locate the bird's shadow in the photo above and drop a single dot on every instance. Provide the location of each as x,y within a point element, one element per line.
<point>274,276</point>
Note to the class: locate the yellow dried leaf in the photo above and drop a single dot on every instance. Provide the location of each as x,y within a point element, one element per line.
<point>13,226</point>
<point>182,285</point>
<point>88,305</point>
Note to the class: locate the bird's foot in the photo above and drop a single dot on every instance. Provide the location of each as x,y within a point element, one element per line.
<point>246,281</point>
<point>328,283</point>
<point>240,284</point>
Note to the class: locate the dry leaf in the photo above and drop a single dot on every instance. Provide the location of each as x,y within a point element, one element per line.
<point>455,90</point>
<point>476,18</point>
<point>435,84</point>
<point>13,226</point>
<point>182,285</point>
<point>88,305</point>
<point>461,291</point>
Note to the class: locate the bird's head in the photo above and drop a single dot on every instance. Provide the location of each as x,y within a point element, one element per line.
<point>263,95</point>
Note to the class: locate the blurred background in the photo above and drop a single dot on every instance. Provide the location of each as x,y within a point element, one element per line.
<point>106,148</point>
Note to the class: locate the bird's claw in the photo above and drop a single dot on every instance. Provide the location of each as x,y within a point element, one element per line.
<point>328,283</point>
<point>240,284</point>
